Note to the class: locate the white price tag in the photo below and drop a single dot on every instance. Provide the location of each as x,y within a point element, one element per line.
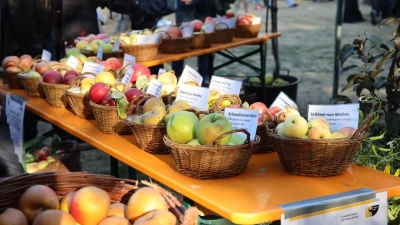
<point>187,31</point>
<point>225,86</point>
<point>91,67</point>
<point>100,53</point>
<point>338,116</point>
<point>189,74</point>
<point>160,71</point>
<point>243,119</point>
<point>185,24</point>
<point>209,27</point>
<point>128,58</point>
<point>128,75</point>
<point>195,96</point>
<point>72,62</point>
<point>256,20</point>
<point>230,22</point>
<point>282,101</point>
<point>116,45</point>
<point>154,88</point>
<point>46,55</point>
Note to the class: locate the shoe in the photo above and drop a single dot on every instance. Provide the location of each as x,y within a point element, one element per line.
<point>373,17</point>
<point>294,5</point>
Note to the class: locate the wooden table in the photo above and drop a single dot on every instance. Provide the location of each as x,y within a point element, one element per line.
<point>249,198</point>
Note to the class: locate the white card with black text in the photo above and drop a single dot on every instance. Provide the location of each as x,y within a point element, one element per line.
<point>195,96</point>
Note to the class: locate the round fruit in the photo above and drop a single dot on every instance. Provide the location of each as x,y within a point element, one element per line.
<point>168,78</point>
<point>139,70</point>
<point>155,217</point>
<point>105,77</point>
<point>115,220</point>
<point>132,93</point>
<point>98,91</point>
<point>13,216</point>
<point>37,199</point>
<point>117,209</point>
<point>54,217</point>
<point>65,201</point>
<point>151,103</point>
<point>52,77</point>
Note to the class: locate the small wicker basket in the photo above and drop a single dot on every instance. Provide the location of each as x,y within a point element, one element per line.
<point>106,55</point>
<point>108,119</point>
<point>223,34</point>
<point>231,97</point>
<point>32,85</point>
<point>201,40</point>
<point>119,189</point>
<point>12,79</point>
<point>55,94</point>
<point>247,31</point>
<point>208,162</point>
<point>79,102</point>
<point>318,158</point>
<point>175,46</point>
<point>141,52</point>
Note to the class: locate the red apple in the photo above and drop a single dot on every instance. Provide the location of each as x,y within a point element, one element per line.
<point>261,107</point>
<point>197,24</point>
<point>235,106</point>
<point>42,67</point>
<point>208,19</point>
<point>107,66</point>
<point>10,61</point>
<point>52,77</point>
<point>68,80</point>
<point>176,31</point>
<point>101,36</point>
<point>108,101</point>
<point>229,13</point>
<point>132,93</point>
<point>97,92</point>
<point>274,109</point>
<point>115,63</point>
<point>71,73</point>
<point>91,37</point>
<point>139,70</point>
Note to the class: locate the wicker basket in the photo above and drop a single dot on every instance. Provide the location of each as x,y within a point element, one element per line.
<point>79,102</point>
<point>201,40</point>
<point>55,94</point>
<point>141,52</point>
<point>119,189</point>
<point>177,45</point>
<point>318,158</point>
<point>266,144</point>
<point>235,100</point>
<point>108,119</point>
<point>12,79</point>
<point>32,85</point>
<point>207,162</point>
<point>106,55</point>
<point>223,34</point>
<point>247,31</point>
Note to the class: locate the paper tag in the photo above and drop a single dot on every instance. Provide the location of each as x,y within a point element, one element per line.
<point>15,118</point>
<point>46,55</point>
<point>91,67</point>
<point>338,116</point>
<point>243,119</point>
<point>160,71</point>
<point>101,68</point>
<point>189,74</point>
<point>128,58</point>
<point>256,20</point>
<point>116,45</point>
<point>128,75</point>
<point>185,24</point>
<point>225,86</point>
<point>134,31</point>
<point>163,28</point>
<point>209,27</point>
<point>195,96</point>
<point>230,22</point>
<point>187,31</point>
<point>147,39</point>
<point>154,88</point>
<point>72,62</point>
<point>100,53</point>
<point>283,101</point>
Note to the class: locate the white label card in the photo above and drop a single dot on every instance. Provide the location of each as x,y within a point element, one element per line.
<point>116,45</point>
<point>187,31</point>
<point>72,62</point>
<point>128,75</point>
<point>209,27</point>
<point>128,58</point>
<point>283,101</point>
<point>46,55</point>
<point>100,53</point>
<point>189,74</point>
<point>160,71</point>
<point>15,118</point>
<point>243,119</point>
<point>256,20</point>
<point>195,96</point>
<point>154,88</point>
<point>186,24</point>
<point>91,67</point>
<point>230,22</point>
<point>338,116</point>
<point>147,39</point>
<point>225,86</point>
<point>163,28</point>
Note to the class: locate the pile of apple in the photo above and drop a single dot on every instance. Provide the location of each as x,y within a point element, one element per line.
<point>292,125</point>
<point>16,64</point>
<point>130,39</point>
<point>92,42</point>
<point>269,80</point>
<point>39,205</point>
<point>40,158</point>
<point>245,19</point>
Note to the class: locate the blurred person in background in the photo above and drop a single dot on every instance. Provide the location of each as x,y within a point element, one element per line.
<point>352,13</point>
<point>380,8</point>
<point>245,6</point>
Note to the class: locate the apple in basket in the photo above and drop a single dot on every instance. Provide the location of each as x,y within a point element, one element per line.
<point>42,67</point>
<point>229,13</point>
<point>108,101</point>
<point>139,70</point>
<point>52,77</point>
<point>175,31</point>
<point>12,216</point>
<point>68,80</point>
<point>98,91</point>
<point>261,107</point>
<point>71,73</point>
<point>132,93</point>
<point>197,24</point>
<point>114,62</point>
<point>295,127</point>
<point>211,126</point>
<point>243,19</point>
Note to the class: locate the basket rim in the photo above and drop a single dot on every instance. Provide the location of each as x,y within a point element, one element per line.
<point>131,123</point>
<point>28,77</point>
<point>363,134</point>
<point>139,46</point>
<point>54,85</point>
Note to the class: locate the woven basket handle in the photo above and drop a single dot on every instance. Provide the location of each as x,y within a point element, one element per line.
<point>90,73</point>
<point>59,67</point>
<point>93,57</point>
<point>76,82</point>
<point>236,100</point>
<point>218,25</point>
<point>217,141</point>
<point>142,98</point>
<point>270,117</point>
<point>123,68</point>
<point>34,62</point>
<point>363,127</point>
<point>38,57</point>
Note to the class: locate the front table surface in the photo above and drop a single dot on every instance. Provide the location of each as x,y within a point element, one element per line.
<point>251,197</point>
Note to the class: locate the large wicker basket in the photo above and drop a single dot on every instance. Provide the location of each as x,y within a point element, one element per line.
<point>79,102</point>
<point>55,94</point>
<point>175,46</point>
<point>247,31</point>
<point>201,40</point>
<point>318,158</point>
<point>222,34</point>
<point>120,190</point>
<point>217,161</point>
<point>32,85</point>
<point>141,52</point>
<point>108,119</point>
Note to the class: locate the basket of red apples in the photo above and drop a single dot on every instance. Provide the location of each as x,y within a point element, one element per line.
<point>12,66</point>
<point>311,148</point>
<point>31,78</point>
<point>245,27</point>
<point>201,39</point>
<point>78,97</point>
<point>173,42</point>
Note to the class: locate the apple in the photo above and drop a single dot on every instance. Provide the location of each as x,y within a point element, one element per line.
<point>52,77</point>
<point>274,110</point>
<point>261,107</point>
<point>32,167</point>
<point>42,164</point>
<point>106,65</point>
<point>279,130</point>
<point>194,142</point>
<point>176,31</point>
<point>87,82</point>
<point>95,44</point>
<point>102,36</point>
<point>208,19</point>
<point>42,67</point>
<point>91,37</point>
<point>237,139</point>
<point>337,135</point>
<point>152,118</point>
<point>108,101</point>
<point>97,92</point>
<point>229,13</point>
<point>72,51</point>
<point>68,80</point>
<point>81,43</point>
<point>107,47</point>
<point>181,127</point>
<point>163,216</point>
<point>319,121</point>
<point>132,93</point>
<point>151,103</point>
<point>168,77</point>
<point>33,73</point>
<point>12,216</point>
<point>71,73</point>
<point>268,79</point>
<point>25,62</point>
<point>319,132</point>
<point>347,131</point>
<point>10,61</point>
<point>295,126</point>
<point>105,77</point>
<point>167,89</point>
<point>114,62</point>
<point>211,126</point>
<point>285,113</point>
<point>197,24</point>
<point>139,70</point>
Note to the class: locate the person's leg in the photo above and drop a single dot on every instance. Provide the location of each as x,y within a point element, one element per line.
<point>246,6</point>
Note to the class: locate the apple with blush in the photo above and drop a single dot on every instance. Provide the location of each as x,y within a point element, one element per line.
<point>10,61</point>
<point>114,62</point>
<point>71,73</point>
<point>68,80</point>
<point>108,101</point>
<point>52,77</point>
<point>139,70</point>
<point>176,31</point>
<point>197,24</point>
<point>229,13</point>
<point>107,66</point>
<point>98,91</point>
<point>208,19</point>
<point>132,93</point>
<point>319,132</point>
<point>42,67</point>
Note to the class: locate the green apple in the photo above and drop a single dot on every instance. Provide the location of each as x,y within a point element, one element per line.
<point>211,126</point>
<point>152,118</point>
<point>237,139</point>
<point>88,47</point>
<point>72,51</point>
<point>107,47</point>
<point>137,119</point>
<point>319,132</point>
<point>295,126</point>
<point>279,130</point>
<point>194,142</point>
<point>81,57</point>
<point>95,44</point>
<point>181,127</point>
<point>319,121</point>
<point>33,73</point>
<point>268,79</point>
<point>42,164</point>
<point>175,108</point>
<point>147,31</point>
<point>28,157</point>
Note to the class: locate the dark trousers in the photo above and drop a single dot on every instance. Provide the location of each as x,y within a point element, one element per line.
<point>382,7</point>
<point>9,164</point>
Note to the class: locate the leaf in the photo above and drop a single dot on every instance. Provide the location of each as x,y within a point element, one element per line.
<point>385,47</point>
<point>366,84</point>
<point>345,52</point>
<point>379,64</point>
<point>353,76</point>
<point>379,82</point>
<point>388,55</point>
<point>387,21</point>
<point>376,72</point>
<point>339,98</point>
<point>344,70</point>
<point>122,102</point>
<point>375,40</point>
<point>348,85</point>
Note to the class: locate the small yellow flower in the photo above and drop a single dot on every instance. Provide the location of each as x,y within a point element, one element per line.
<point>387,169</point>
<point>397,174</point>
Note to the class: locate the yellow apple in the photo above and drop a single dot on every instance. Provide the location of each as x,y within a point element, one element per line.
<point>152,102</point>
<point>237,139</point>
<point>279,130</point>
<point>319,132</point>
<point>168,77</point>
<point>285,113</point>
<point>167,89</point>
<point>105,77</point>
<point>174,108</point>
<point>80,44</point>
<point>42,164</point>
<point>183,103</point>
<point>295,126</point>
<point>87,82</point>
<point>212,126</point>
<point>181,127</point>
<point>347,131</point>
<point>194,142</point>
<point>337,135</point>
<point>95,44</point>
<point>152,118</point>
<point>160,109</point>
<point>319,121</point>
<point>125,40</point>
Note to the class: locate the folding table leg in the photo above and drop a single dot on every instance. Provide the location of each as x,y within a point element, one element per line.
<point>114,167</point>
